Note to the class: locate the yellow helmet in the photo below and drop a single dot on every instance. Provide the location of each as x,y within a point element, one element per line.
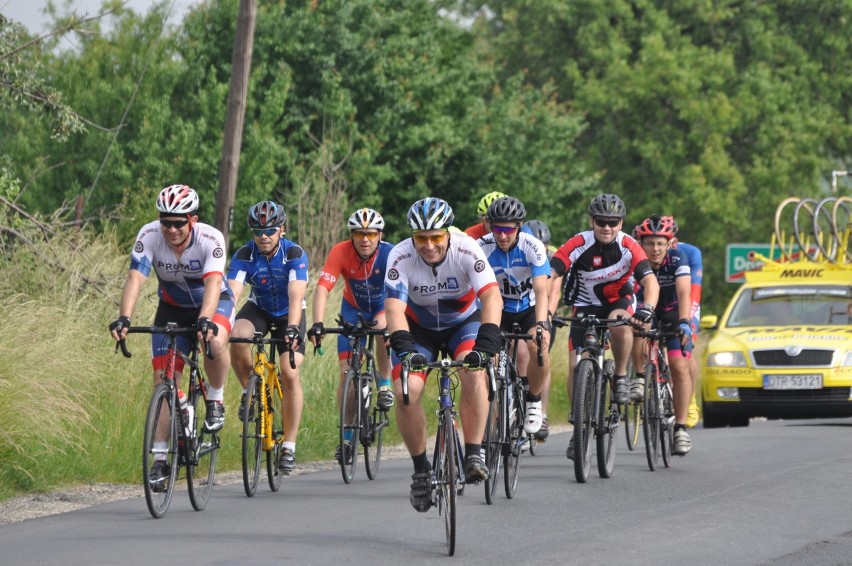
<point>486,201</point>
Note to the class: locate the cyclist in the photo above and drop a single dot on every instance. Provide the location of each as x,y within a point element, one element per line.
<point>277,270</point>
<point>188,258</point>
<point>600,265</point>
<point>435,284</point>
<point>696,273</point>
<point>522,269</point>
<point>361,261</point>
<point>671,266</point>
<point>482,227</point>
<point>541,231</point>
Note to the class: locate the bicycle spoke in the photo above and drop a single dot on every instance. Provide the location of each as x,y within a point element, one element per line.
<point>251,437</point>
<point>162,446</point>
<point>201,471</point>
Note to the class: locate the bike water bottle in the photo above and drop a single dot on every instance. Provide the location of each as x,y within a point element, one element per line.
<point>184,412</point>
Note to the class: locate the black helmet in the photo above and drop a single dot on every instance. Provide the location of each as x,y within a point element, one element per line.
<point>539,230</point>
<point>607,205</point>
<point>506,209</point>
<point>266,214</point>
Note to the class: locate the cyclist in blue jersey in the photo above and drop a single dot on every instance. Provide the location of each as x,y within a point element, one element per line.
<point>696,273</point>
<point>277,270</point>
<point>520,263</point>
<point>671,268</point>
<point>188,258</point>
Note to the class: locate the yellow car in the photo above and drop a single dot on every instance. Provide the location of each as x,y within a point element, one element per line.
<point>783,348</point>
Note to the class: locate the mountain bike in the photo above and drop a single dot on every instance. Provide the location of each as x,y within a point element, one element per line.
<point>361,420</point>
<point>179,436</point>
<point>447,469</point>
<point>262,418</point>
<point>594,407</point>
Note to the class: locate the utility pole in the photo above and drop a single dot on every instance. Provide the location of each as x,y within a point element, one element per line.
<point>237,94</point>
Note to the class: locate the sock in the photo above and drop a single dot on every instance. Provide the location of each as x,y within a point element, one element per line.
<point>215,394</point>
<point>533,398</point>
<point>161,449</point>
<point>470,449</point>
<point>347,435</point>
<point>290,445</point>
<point>385,382</point>
<point>678,427</point>
<point>421,463</point>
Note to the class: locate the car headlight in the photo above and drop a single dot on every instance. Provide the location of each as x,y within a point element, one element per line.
<point>726,359</point>
<point>847,361</point>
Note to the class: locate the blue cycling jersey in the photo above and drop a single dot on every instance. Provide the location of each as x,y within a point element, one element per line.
<point>515,269</point>
<point>270,276</point>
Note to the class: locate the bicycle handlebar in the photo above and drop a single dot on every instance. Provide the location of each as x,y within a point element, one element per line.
<point>358,329</point>
<point>657,335</point>
<point>258,339</point>
<point>444,363</point>
<point>168,330</point>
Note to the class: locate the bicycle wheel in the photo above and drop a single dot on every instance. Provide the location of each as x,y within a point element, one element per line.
<point>251,439</point>
<point>273,474</point>
<point>494,440</point>
<point>650,419</point>
<point>784,227</point>
<point>841,220</point>
<point>159,497</point>
<point>607,424</point>
<point>350,425</point>
<point>584,376</point>
<point>201,471</point>
<point>372,443</point>
<point>630,417</point>
<point>667,422</point>
<point>448,478</point>
<point>803,227</point>
<point>515,441</point>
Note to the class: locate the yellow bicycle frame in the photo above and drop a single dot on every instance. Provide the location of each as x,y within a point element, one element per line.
<point>268,379</point>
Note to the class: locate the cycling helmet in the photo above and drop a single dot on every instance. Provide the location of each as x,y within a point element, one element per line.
<point>430,214</point>
<point>539,230</point>
<point>366,218</point>
<point>607,205</point>
<point>266,214</point>
<point>486,201</point>
<point>657,226</point>
<point>506,209</point>
<point>177,200</point>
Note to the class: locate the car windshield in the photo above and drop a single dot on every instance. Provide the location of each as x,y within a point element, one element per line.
<point>793,305</point>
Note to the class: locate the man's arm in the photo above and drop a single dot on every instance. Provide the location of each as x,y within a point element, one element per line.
<point>492,305</point>
<point>683,286</point>
<point>320,302</point>
<point>212,292</point>
<point>130,294</point>
<point>296,293</point>
<point>395,314</point>
<point>554,288</point>
<point>236,288</point>
<point>650,289</point>
<point>542,299</point>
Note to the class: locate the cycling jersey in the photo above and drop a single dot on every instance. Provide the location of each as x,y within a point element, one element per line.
<point>696,272</point>
<point>599,274</point>
<point>675,264</point>
<point>180,278</point>
<point>515,269</point>
<point>444,295</point>
<point>270,276</point>
<point>363,279</point>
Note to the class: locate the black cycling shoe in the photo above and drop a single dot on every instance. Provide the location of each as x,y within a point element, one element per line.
<point>287,462</point>
<point>215,416</point>
<point>542,433</point>
<point>158,476</point>
<point>241,413</point>
<point>347,451</point>
<point>474,469</point>
<point>421,491</point>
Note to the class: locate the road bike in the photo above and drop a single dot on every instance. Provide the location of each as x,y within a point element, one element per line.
<point>632,416</point>
<point>447,470</point>
<point>262,418</point>
<point>361,420</point>
<point>594,408</point>
<point>179,436</point>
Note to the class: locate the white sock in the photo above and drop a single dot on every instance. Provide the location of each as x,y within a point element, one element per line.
<point>290,445</point>
<point>215,394</point>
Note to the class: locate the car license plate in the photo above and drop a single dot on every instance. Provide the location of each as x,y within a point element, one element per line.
<point>802,381</point>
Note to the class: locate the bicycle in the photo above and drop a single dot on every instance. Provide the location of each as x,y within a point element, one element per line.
<point>447,460</point>
<point>505,438</point>
<point>360,380</point>
<point>262,424</point>
<point>658,404</point>
<point>632,416</point>
<point>183,440</point>
<point>594,408</point>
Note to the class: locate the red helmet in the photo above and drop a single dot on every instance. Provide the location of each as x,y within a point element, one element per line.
<point>655,225</point>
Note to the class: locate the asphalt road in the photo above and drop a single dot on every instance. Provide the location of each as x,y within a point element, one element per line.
<point>775,493</point>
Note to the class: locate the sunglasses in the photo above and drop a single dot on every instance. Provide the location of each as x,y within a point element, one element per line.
<point>434,238</point>
<point>177,224</point>
<point>369,235</point>
<point>264,232</point>
<point>504,229</point>
<point>611,223</point>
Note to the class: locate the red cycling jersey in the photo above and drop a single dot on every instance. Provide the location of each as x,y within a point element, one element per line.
<point>363,279</point>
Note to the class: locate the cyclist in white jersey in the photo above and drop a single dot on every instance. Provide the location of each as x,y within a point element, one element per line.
<point>520,263</point>
<point>188,258</point>
<point>435,284</point>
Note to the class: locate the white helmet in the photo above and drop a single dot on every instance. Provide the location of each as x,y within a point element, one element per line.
<point>430,214</point>
<point>178,200</point>
<point>366,218</point>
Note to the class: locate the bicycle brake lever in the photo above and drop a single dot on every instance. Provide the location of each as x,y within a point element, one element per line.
<point>123,346</point>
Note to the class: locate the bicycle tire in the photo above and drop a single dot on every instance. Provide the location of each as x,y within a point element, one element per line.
<point>201,470</point>
<point>781,236</point>
<point>829,246</point>
<point>494,441</point>
<point>650,419</point>
<point>667,423</point>
<point>251,437</point>
<point>631,416</point>
<point>162,399</point>
<point>606,427</point>
<point>583,398</point>
<point>843,230</point>
<point>372,443</point>
<point>350,422</point>
<point>274,476</point>
<point>802,239</point>
<point>448,482</point>
<point>515,440</point>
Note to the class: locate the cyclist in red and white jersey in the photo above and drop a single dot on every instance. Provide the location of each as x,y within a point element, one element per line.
<point>435,285</point>
<point>188,258</point>
<point>599,265</point>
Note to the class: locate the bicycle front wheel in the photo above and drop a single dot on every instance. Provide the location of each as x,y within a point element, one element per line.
<point>584,376</point>
<point>494,442</point>
<point>447,479</point>
<point>350,426</point>
<point>251,439</point>
<point>201,470</point>
<point>276,428</point>
<point>373,442</point>
<point>160,447</point>
<point>667,423</point>
<point>608,420</point>
<point>651,417</point>
<point>516,437</point>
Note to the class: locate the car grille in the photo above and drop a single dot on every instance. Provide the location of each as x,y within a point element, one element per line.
<point>825,395</point>
<point>780,358</point>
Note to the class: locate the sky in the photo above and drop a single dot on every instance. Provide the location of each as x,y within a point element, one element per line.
<point>29,12</point>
